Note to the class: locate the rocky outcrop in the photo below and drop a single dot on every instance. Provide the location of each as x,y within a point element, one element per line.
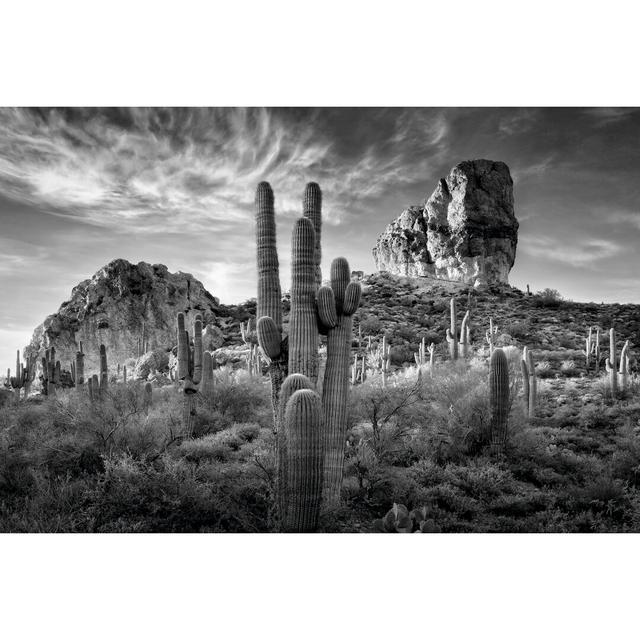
<point>121,306</point>
<point>466,231</point>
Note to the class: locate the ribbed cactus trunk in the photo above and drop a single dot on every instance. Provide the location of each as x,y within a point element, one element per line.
<point>303,432</point>
<point>499,400</point>
<point>335,389</point>
<point>303,323</point>
<point>269,302</point>
<point>294,382</point>
<point>312,209</point>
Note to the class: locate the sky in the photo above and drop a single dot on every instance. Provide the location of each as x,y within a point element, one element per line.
<point>80,187</point>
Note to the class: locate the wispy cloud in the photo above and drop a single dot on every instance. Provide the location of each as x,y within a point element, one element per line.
<point>148,170</point>
<point>577,253</point>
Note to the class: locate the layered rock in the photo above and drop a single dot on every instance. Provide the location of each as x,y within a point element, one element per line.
<point>466,231</point>
<point>123,306</point>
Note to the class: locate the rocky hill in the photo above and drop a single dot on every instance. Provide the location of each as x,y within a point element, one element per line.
<point>132,309</point>
<point>466,231</point>
<point>407,309</point>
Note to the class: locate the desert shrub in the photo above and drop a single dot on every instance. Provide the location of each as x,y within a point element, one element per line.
<point>519,330</point>
<point>543,369</point>
<point>371,325</point>
<point>550,298</point>
<point>569,369</point>
<point>400,354</point>
<point>241,397</point>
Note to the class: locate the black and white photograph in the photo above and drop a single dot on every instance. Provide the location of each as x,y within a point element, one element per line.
<point>278,282</point>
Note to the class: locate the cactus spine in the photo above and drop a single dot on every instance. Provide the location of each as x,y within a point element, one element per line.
<point>499,399</point>
<point>452,337</point>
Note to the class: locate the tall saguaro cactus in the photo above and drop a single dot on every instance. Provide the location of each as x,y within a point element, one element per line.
<point>465,333</point>
<point>314,309</point>
<point>452,332</point>
<point>611,363</point>
<point>79,367</point>
<point>189,369</point>
<point>499,399</point>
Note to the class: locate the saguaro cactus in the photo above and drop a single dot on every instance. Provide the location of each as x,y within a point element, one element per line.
<point>611,363</point>
<point>189,369</point>
<point>499,399</point>
<point>304,455</point>
<point>529,382</point>
<point>452,337</point>
<point>50,372</point>
<point>104,370</point>
<point>624,366</point>
<point>465,333</point>
<point>490,335</point>
<point>313,309</point>
<point>147,400</point>
<point>312,209</point>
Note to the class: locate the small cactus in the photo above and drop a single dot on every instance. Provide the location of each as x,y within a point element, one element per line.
<point>499,399</point>
<point>624,367</point>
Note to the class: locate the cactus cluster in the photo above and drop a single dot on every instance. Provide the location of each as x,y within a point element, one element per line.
<point>50,372</point>
<point>310,429</point>
<point>459,346</point>
<point>25,375</point>
<point>98,385</point>
<point>400,520</point>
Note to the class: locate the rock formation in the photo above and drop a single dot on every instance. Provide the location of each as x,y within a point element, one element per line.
<point>123,306</point>
<point>466,231</point>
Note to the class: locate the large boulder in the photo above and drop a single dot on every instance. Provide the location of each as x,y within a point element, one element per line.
<point>123,306</point>
<point>466,231</point>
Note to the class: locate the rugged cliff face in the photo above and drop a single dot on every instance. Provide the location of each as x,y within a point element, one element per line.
<point>128,308</point>
<point>466,231</point>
